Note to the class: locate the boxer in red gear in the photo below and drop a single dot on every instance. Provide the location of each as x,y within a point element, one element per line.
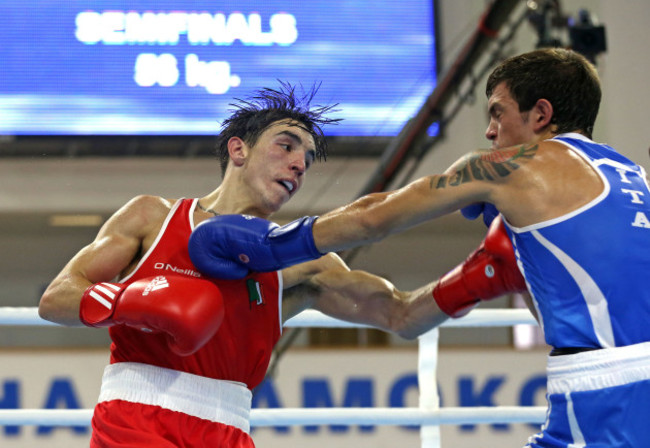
<point>152,396</point>
<point>209,390</point>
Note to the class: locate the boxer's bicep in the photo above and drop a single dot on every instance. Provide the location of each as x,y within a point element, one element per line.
<point>117,243</point>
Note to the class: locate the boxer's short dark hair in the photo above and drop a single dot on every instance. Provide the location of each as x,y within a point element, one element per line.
<point>252,116</point>
<point>563,77</point>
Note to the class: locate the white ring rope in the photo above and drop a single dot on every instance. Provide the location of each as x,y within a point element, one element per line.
<point>314,416</point>
<point>311,318</point>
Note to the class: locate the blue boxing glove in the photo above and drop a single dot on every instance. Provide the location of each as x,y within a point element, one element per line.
<point>473,211</point>
<point>229,246</point>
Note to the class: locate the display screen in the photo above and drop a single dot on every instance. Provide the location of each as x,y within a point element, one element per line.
<point>172,67</point>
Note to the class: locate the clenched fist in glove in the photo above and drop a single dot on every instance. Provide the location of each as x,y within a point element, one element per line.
<point>229,246</point>
<point>188,310</point>
<point>489,272</point>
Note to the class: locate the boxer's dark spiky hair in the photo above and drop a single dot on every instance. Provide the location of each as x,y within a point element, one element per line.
<point>252,116</point>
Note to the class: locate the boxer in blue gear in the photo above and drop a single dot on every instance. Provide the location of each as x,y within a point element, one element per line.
<point>600,368</point>
<point>578,215</point>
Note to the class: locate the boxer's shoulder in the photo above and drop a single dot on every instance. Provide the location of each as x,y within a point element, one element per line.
<point>143,215</point>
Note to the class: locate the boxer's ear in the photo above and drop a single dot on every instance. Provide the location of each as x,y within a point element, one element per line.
<point>541,114</point>
<point>238,150</point>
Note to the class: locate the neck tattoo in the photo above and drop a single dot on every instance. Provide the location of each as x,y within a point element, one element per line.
<point>208,210</point>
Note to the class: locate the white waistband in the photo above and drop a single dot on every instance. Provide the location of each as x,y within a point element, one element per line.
<point>598,369</point>
<point>215,400</point>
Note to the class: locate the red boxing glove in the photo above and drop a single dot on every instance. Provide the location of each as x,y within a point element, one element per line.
<point>188,310</point>
<point>489,272</point>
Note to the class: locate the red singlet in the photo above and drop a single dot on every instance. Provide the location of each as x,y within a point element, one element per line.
<point>239,352</point>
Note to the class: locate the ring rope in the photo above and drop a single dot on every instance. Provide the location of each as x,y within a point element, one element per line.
<point>28,316</point>
<point>314,416</point>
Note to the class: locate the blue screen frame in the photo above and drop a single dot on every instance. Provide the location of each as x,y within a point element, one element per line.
<point>172,67</point>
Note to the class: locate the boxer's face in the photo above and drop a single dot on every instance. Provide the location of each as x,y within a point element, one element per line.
<point>276,165</point>
<point>508,125</point>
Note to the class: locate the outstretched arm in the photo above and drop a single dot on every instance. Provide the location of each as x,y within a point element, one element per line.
<point>330,286</point>
<point>483,176</point>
